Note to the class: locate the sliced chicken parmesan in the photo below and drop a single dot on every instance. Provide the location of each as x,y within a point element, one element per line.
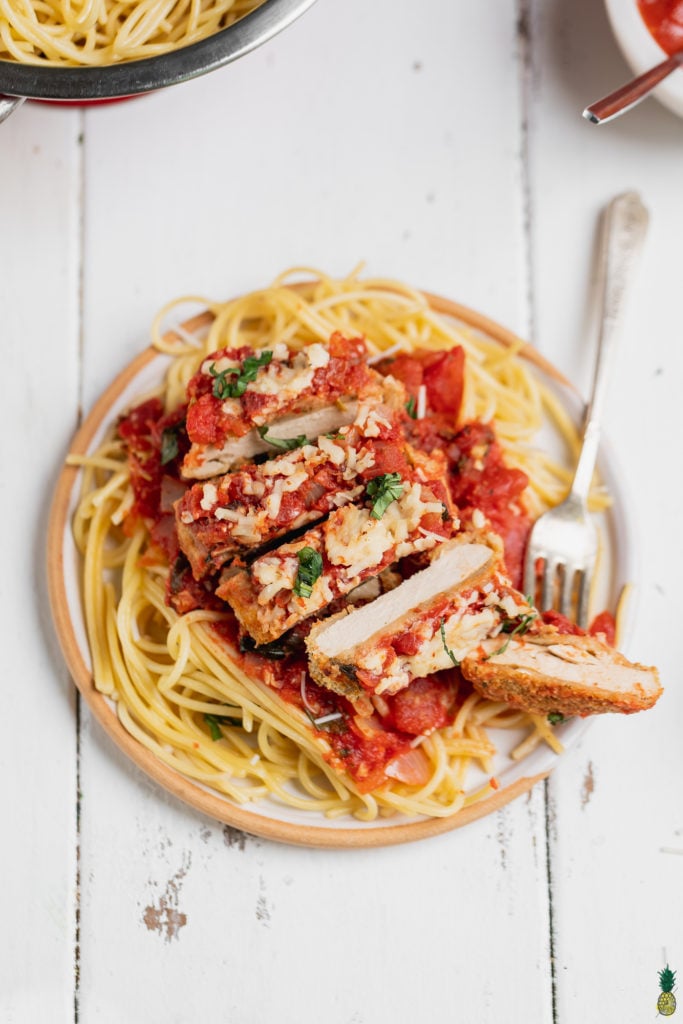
<point>463,610</point>
<point>397,516</point>
<point>259,503</point>
<point>243,402</point>
<point>545,671</point>
<point>430,622</point>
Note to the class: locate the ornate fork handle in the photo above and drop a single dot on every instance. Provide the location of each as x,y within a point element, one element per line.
<point>622,236</point>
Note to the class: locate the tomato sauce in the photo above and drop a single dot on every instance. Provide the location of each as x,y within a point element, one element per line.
<point>664,20</point>
<point>481,480</point>
<point>150,436</point>
<point>363,747</point>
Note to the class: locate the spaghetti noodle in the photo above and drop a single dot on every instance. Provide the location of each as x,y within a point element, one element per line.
<point>99,32</point>
<point>184,685</point>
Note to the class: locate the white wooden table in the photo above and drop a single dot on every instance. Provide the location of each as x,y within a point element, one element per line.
<point>443,144</point>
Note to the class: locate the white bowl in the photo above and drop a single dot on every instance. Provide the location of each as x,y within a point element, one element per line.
<point>642,52</point>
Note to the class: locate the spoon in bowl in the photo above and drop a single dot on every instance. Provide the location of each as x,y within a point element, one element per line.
<point>621,100</point>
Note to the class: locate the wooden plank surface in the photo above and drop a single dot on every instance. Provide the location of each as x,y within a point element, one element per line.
<point>39,331</point>
<point>448,150</point>
<point>616,803</point>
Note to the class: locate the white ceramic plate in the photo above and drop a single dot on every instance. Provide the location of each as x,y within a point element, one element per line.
<point>267,817</point>
<point>642,52</point>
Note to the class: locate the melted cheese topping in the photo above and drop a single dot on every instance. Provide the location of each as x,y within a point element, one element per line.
<point>463,631</point>
<point>360,542</point>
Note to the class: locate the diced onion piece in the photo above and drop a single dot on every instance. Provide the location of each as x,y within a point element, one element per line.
<point>411,768</point>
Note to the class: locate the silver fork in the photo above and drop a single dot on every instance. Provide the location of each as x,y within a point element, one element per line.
<point>564,540</point>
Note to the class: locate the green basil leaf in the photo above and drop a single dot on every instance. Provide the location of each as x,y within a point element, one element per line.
<point>384,489</point>
<point>169,443</point>
<point>449,652</point>
<point>214,723</point>
<point>521,628</point>
<point>276,650</point>
<point>224,386</point>
<point>310,569</point>
<point>285,444</point>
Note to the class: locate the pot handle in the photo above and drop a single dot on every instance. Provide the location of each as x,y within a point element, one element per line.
<point>8,104</point>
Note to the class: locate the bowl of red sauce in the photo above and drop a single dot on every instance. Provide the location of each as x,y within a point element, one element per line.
<point>648,31</point>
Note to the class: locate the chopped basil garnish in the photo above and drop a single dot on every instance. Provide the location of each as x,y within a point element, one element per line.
<point>310,569</point>
<point>555,718</point>
<point>214,723</point>
<point>286,444</point>
<point>385,488</point>
<point>411,408</point>
<point>225,387</point>
<point>446,648</point>
<point>276,650</point>
<point>521,628</point>
<point>169,443</point>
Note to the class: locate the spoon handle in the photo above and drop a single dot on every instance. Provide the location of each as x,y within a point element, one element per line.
<point>621,100</point>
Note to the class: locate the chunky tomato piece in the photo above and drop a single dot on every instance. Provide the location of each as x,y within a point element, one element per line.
<point>365,757</point>
<point>442,373</point>
<point>514,531</point>
<point>152,436</point>
<point>138,424</point>
<point>389,458</point>
<point>203,421</point>
<point>349,349</point>
<point>427,704</point>
<point>481,480</point>
<point>408,369</point>
<point>604,623</point>
<point>561,623</point>
<point>444,379</point>
<point>406,643</point>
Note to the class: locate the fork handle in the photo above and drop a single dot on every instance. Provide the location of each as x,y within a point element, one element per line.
<point>623,232</point>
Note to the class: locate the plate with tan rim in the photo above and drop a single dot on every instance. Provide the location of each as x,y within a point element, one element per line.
<point>268,818</point>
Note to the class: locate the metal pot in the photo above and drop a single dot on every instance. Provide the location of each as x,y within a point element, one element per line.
<point>87,84</point>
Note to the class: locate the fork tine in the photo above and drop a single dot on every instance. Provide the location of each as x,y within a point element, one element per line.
<point>566,591</point>
<point>548,580</point>
<point>530,578</point>
<point>582,603</point>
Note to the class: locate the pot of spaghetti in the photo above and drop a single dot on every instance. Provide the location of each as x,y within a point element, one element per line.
<point>83,51</point>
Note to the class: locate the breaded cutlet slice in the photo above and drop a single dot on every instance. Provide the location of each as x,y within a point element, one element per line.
<point>545,671</point>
